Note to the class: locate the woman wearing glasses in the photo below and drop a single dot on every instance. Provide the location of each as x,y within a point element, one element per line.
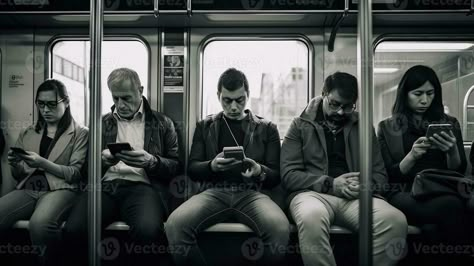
<point>406,151</point>
<point>46,161</point>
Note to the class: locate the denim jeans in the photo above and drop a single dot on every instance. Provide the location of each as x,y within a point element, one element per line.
<point>215,205</point>
<point>135,203</point>
<point>314,213</point>
<point>46,211</point>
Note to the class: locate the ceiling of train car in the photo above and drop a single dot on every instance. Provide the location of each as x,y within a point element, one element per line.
<point>234,20</point>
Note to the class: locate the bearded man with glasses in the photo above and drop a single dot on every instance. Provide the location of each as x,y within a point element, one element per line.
<point>320,170</point>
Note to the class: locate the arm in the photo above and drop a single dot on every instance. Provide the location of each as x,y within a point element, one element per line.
<point>271,165</point>
<point>392,166</point>
<point>166,165</point>
<point>294,175</point>
<point>71,172</point>
<point>19,169</point>
<point>461,166</point>
<point>379,175</point>
<point>199,166</point>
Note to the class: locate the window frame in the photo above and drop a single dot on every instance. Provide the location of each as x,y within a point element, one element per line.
<point>431,37</point>
<point>80,37</point>
<point>252,37</point>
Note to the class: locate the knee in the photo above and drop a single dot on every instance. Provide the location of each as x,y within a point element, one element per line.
<point>176,227</point>
<point>390,221</point>
<point>309,215</point>
<point>42,228</point>
<point>277,230</point>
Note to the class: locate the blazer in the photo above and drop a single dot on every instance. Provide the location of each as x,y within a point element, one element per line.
<point>70,151</point>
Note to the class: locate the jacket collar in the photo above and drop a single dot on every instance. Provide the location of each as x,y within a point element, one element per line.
<point>310,112</point>
<point>216,123</point>
<point>309,115</point>
<point>111,130</point>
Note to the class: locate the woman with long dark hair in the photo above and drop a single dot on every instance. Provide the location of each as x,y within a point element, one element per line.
<point>406,151</point>
<point>46,161</point>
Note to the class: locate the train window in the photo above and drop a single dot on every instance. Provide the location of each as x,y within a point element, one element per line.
<point>277,71</point>
<point>453,63</point>
<point>70,64</point>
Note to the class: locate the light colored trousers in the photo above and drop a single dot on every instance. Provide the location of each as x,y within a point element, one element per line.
<point>314,213</point>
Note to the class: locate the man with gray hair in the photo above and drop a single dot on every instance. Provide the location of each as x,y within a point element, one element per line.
<point>128,175</point>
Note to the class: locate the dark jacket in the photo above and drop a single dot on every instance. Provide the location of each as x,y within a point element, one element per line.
<point>261,143</point>
<point>161,141</point>
<point>304,157</point>
<point>390,136</point>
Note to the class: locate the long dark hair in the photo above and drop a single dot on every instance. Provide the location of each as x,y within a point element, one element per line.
<point>414,78</point>
<point>66,120</point>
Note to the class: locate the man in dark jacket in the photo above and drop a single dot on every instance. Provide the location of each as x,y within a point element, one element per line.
<point>320,168</point>
<point>232,184</point>
<point>128,176</point>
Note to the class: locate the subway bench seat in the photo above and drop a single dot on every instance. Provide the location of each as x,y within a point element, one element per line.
<point>222,228</point>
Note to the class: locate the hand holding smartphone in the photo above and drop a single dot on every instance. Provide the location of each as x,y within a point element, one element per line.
<point>236,152</point>
<point>115,148</point>
<point>19,151</point>
<point>437,129</point>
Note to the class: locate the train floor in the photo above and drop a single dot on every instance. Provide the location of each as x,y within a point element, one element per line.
<point>233,249</point>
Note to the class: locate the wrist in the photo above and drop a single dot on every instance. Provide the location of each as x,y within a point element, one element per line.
<point>259,170</point>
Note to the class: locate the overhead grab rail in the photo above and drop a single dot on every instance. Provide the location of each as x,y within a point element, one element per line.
<point>156,8</point>
<point>332,37</point>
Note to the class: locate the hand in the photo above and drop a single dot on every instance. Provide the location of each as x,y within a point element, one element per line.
<point>33,159</point>
<point>445,142</point>
<point>220,164</point>
<point>352,189</point>
<point>13,159</point>
<point>254,169</point>
<point>347,185</point>
<point>108,159</point>
<point>136,158</point>
<point>420,147</point>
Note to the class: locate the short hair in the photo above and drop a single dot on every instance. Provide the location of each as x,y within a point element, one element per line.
<point>345,83</point>
<point>232,79</point>
<point>117,76</point>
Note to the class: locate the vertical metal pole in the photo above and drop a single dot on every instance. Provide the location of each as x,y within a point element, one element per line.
<point>364,71</point>
<point>95,139</point>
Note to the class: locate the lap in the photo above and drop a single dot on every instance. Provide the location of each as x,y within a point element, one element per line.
<point>259,212</point>
<point>54,205</point>
<point>201,210</point>
<point>141,202</point>
<point>14,206</point>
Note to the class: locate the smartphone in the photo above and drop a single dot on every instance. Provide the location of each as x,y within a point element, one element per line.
<point>437,129</point>
<point>118,147</point>
<point>18,151</point>
<point>236,152</point>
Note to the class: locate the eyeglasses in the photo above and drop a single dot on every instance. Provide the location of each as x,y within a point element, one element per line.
<point>51,104</point>
<point>336,106</point>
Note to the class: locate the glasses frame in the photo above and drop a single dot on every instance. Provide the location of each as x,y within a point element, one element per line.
<point>340,106</point>
<point>48,104</point>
